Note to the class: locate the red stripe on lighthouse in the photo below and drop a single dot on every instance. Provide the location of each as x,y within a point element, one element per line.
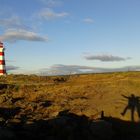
<point>3,71</point>
<point>2,53</point>
<point>2,62</point>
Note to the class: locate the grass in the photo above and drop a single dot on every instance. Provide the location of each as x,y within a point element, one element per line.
<point>86,94</point>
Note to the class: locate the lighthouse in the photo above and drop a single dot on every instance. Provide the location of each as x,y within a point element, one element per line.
<point>2,60</point>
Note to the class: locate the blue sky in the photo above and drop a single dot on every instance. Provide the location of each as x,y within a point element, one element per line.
<point>70,36</point>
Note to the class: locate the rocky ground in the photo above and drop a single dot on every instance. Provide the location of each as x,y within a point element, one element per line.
<point>74,107</point>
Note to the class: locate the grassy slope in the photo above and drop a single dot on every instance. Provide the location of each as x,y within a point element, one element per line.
<point>81,94</point>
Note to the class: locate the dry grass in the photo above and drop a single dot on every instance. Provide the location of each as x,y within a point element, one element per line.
<point>81,94</point>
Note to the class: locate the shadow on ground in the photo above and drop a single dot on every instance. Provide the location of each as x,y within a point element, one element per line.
<point>67,126</point>
<point>132,105</point>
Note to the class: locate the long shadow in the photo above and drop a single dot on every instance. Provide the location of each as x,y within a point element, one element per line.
<point>69,126</point>
<point>124,130</point>
<point>132,105</point>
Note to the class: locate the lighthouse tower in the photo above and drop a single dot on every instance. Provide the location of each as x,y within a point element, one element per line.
<point>2,60</point>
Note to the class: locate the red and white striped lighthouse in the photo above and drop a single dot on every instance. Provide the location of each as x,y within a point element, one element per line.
<point>2,60</point>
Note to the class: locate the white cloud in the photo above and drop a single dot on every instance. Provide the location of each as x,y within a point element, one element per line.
<point>13,35</point>
<point>12,22</point>
<point>60,69</point>
<point>88,20</point>
<point>49,14</point>
<point>105,58</point>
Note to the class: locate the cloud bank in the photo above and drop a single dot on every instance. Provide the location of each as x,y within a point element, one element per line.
<point>14,35</point>
<point>77,69</point>
<point>11,68</point>
<point>105,58</point>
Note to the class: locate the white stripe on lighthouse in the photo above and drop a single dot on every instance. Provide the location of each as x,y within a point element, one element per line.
<point>2,67</point>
